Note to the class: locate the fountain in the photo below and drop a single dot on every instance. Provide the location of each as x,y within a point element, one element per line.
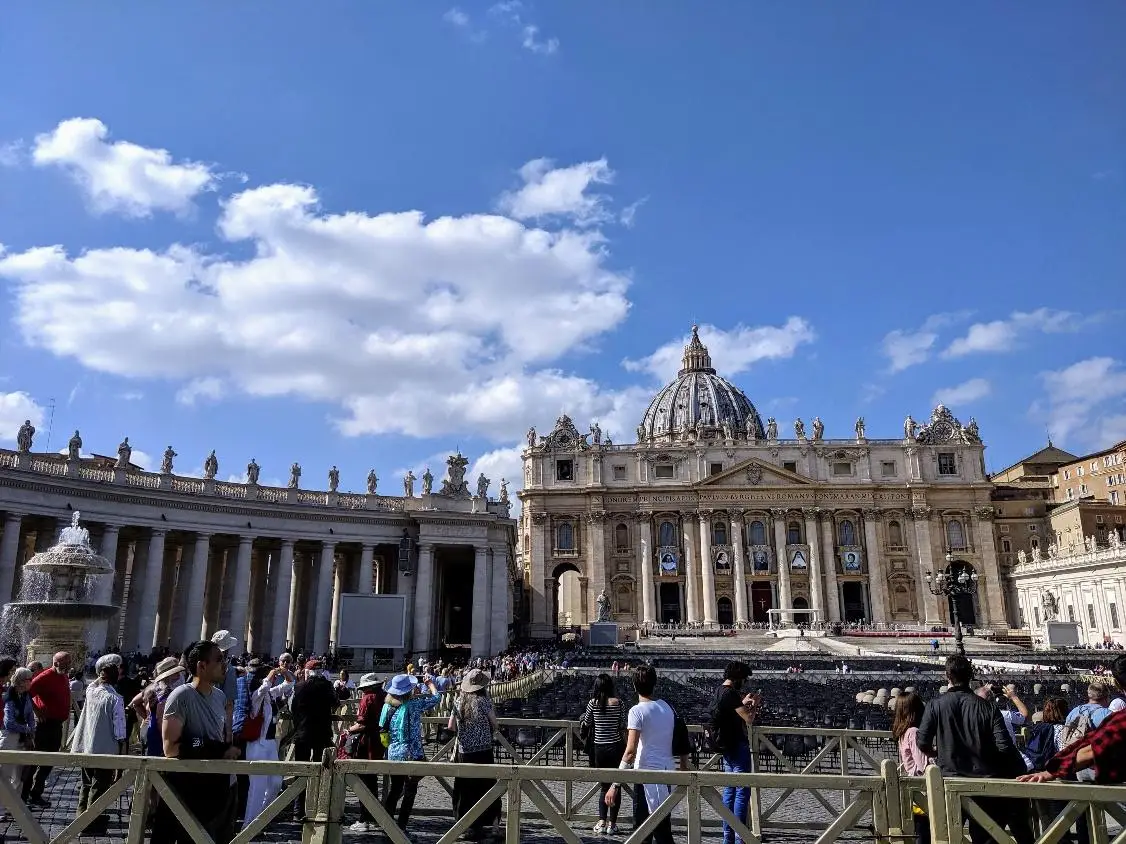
<point>64,589</point>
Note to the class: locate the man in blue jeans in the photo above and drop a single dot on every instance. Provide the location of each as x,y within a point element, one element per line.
<point>733,712</point>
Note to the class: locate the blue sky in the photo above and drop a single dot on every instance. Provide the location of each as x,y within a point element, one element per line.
<point>206,212</point>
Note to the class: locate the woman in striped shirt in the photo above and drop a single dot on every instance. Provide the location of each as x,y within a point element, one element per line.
<point>604,720</point>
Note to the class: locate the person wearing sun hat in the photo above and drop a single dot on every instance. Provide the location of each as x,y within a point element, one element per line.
<point>401,716</point>
<point>372,696</point>
<point>149,703</point>
<point>475,721</point>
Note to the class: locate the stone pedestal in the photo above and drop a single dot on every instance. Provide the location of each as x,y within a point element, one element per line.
<point>603,634</point>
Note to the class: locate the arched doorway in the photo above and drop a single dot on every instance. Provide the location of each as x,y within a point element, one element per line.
<point>724,612</point>
<point>762,599</point>
<point>565,606</point>
<point>966,603</point>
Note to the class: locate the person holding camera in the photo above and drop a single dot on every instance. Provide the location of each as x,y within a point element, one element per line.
<point>733,712</point>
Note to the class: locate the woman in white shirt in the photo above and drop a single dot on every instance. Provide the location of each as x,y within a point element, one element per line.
<point>649,744</point>
<point>264,748</point>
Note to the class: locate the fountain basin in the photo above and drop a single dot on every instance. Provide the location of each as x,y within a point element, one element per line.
<point>63,610</point>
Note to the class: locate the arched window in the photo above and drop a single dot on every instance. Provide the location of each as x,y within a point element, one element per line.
<point>621,537</point>
<point>793,534</point>
<point>719,534</point>
<point>565,537</point>
<point>955,535</point>
<point>847,533</point>
<point>895,534</point>
<point>666,534</point>
<point>758,533</point>
<point>1006,545</point>
<point>1035,542</point>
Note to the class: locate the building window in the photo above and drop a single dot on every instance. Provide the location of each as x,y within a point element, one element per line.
<point>1079,471</point>
<point>1071,613</point>
<point>847,533</point>
<point>1091,616</point>
<point>666,535</point>
<point>719,534</point>
<point>1113,607</point>
<point>1003,528</point>
<point>664,470</point>
<point>564,470</point>
<point>565,537</point>
<point>946,463</point>
<point>789,465</point>
<point>758,533</point>
<point>1020,614</point>
<point>1033,529</point>
<point>842,468</point>
<point>887,468</point>
<point>1006,546</point>
<point>895,534</point>
<point>1067,474</point>
<point>715,468</point>
<point>621,537</point>
<point>793,534</point>
<point>1034,542</point>
<point>1098,519</point>
<point>955,535</point>
<point>619,473</point>
<point>1082,489</point>
<point>1114,496</point>
<point>1036,615</point>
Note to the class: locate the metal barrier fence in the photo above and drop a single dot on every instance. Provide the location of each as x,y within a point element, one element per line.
<point>821,782</point>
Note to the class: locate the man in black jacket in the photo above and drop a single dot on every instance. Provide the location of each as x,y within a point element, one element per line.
<point>314,703</point>
<point>968,737</point>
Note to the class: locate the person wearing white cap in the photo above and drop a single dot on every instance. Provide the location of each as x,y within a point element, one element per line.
<point>101,730</point>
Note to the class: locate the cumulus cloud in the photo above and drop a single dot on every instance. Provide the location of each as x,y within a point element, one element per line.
<point>511,12</point>
<point>456,17</point>
<point>962,394</point>
<point>1085,401</point>
<point>734,351</point>
<point>551,191</point>
<point>905,348</point>
<point>15,408</point>
<point>119,176</point>
<point>200,389</point>
<point>501,463</point>
<point>531,40</point>
<point>1003,335</point>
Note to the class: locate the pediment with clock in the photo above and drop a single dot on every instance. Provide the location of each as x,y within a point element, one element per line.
<point>755,473</point>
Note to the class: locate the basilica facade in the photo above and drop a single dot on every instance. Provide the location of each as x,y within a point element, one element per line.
<point>714,518</point>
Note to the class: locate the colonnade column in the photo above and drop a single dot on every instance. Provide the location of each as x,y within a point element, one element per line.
<point>737,534</point>
<point>337,591</point>
<point>260,616</point>
<point>928,601</point>
<point>96,632</point>
<point>423,599</point>
<point>364,586</point>
<point>542,624</point>
<point>146,622</point>
<point>240,592</point>
<point>501,603</point>
<point>321,624</point>
<point>828,540</point>
<point>994,602</point>
<point>482,601</point>
<point>877,577</point>
<point>785,600</point>
<point>281,576</point>
<point>691,596</point>
<point>707,567</point>
<point>815,585</point>
<point>645,529</point>
<point>9,552</point>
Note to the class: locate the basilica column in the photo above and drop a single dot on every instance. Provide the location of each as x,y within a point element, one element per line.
<point>927,600</point>
<point>501,602</point>
<point>785,601</point>
<point>740,582</point>
<point>707,567</point>
<point>596,543</point>
<point>877,577</point>
<point>423,599</point>
<point>366,579</point>
<point>692,597</point>
<point>645,530</point>
<point>321,624</point>
<point>9,552</point>
<point>828,544</point>
<point>146,621</point>
<point>993,587</point>
<point>281,585</point>
<point>815,584</point>
<point>482,600</point>
<point>541,623</point>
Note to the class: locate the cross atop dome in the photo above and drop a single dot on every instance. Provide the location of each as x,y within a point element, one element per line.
<point>696,357</point>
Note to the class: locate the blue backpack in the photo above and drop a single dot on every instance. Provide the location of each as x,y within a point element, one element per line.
<point>1041,746</point>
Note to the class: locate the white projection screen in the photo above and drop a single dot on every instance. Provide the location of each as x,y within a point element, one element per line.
<point>372,621</point>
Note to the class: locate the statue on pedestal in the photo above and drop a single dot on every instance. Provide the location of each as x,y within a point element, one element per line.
<point>799,429</point>
<point>252,470</point>
<point>124,453</point>
<point>373,481</point>
<point>483,486</point>
<point>750,426</point>
<point>211,466</point>
<point>74,447</point>
<point>1050,604</point>
<point>333,479</point>
<point>166,461</point>
<point>408,484</point>
<point>818,429</point>
<point>295,476</point>
<point>910,428</point>
<point>503,491</point>
<point>771,428</point>
<point>603,603</point>
<point>25,436</point>
<point>427,482</point>
<point>640,434</point>
<point>531,438</point>
<point>728,431</point>
<point>596,433</point>
<point>860,428</point>
<point>454,484</point>
<point>970,433</point>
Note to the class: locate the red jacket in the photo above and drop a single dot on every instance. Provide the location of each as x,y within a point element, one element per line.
<point>50,693</point>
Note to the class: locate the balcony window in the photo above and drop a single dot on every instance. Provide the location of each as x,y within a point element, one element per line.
<point>955,536</point>
<point>666,534</point>
<point>564,470</point>
<point>947,465</point>
<point>793,534</point>
<point>565,537</point>
<point>847,533</point>
<point>719,534</point>
<point>895,535</point>
<point>758,533</point>
<point>621,537</point>
<point>664,471</point>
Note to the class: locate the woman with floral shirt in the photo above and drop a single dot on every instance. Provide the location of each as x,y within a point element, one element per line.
<point>402,718</point>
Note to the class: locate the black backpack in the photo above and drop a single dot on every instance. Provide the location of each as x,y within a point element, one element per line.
<point>681,741</point>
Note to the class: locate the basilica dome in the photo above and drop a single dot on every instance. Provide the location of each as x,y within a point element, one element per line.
<point>699,403</point>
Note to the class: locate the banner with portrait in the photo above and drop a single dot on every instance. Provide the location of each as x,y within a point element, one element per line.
<point>850,561</point>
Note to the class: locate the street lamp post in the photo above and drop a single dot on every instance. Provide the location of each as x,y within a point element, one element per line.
<point>953,582</point>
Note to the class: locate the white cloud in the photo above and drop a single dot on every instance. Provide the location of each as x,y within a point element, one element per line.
<point>629,214</point>
<point>906,348</point>
<point>120,176</point>
<point>732,351</point>
<point>201,389</point>
<point>1003,335</point>
<point>15,409</point>
<point>132,395</point>
<point>456,17</point>
<point>1085,401</point>
<point>962,394</point>
<point>12,154</point>
<point>532,41</point>
<point>511,12</point>
<point>549,191</point>
<point>501,463</point>
<point>142,459</point>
